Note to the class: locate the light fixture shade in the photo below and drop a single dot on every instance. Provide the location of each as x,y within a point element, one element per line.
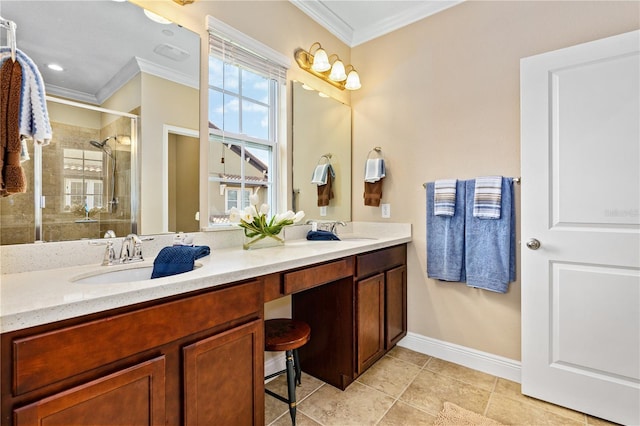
<point>353,81</point>
<point>156,18</point>
<point>337,71</point>
<point>320,61</point>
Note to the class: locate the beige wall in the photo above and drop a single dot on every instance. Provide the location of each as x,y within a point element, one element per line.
<point>165,103</point>
<point>441,97</point>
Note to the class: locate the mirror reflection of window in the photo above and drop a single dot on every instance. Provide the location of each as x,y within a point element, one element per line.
<point>83,180</point>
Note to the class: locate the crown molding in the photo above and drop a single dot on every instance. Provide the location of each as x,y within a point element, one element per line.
<point>76,95</point>
<point>320,13</point>
<point>149,67</point>
<point>401,19</point>
<point>130,70</point>
<point>323,15</point>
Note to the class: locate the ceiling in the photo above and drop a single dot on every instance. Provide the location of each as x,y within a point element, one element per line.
<point>101,45</point>
<point>358,21</point>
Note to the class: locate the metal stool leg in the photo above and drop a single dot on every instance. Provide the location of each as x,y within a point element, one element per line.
<point>296,364</point>
<point>291,386</point>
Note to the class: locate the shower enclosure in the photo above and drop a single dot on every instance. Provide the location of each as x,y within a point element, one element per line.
<point>81,184</point>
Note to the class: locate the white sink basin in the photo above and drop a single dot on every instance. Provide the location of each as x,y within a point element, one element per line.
<point>131,273</point>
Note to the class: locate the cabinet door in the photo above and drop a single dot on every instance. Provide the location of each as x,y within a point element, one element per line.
<point>370,321</point>
<point>224,378</point>
<point>395,327</point>
<point>134,396</point>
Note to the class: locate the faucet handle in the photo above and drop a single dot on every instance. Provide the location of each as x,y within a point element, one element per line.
<point>109,253</point>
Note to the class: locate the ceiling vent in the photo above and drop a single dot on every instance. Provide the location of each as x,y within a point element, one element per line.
<point>172,52</point>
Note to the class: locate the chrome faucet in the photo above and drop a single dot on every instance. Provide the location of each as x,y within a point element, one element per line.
<point>131,250</point>
<point>334,225</point>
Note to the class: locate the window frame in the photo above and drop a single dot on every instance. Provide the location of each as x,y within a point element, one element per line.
<point>222,35</point>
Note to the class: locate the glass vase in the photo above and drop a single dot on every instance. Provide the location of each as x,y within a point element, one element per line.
<point>262,241</point>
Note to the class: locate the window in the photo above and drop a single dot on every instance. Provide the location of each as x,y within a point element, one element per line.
<point>234,199</point>
<point>83,184</point>
<point>246,92</point>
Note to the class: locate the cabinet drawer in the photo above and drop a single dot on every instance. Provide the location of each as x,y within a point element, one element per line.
<point>317,275</point>
<point>381,260</point>
<point>46,358</point>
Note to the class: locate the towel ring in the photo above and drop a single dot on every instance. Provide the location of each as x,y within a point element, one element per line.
<point>326,158</point>
<point>377,151</point>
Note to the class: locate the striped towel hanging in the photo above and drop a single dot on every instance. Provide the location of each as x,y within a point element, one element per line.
<point>444,197</point>
<point>487,197</point>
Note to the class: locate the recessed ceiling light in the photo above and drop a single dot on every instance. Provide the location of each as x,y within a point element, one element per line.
<point>156,18</point>
<point>55,67</point>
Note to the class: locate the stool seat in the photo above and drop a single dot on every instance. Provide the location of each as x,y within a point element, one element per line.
<point>284,334</point>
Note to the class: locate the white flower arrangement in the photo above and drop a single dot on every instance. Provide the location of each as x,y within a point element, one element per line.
<point>257,226</point>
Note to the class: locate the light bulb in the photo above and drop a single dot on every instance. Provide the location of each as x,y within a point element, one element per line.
<point>337,71</point>
<point>320,61</point>
<point>353,81</point>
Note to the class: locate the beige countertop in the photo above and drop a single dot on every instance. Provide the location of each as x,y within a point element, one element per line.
<point>39,297</point>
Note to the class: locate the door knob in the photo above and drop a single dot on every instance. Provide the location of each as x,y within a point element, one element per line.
<point>533,244</point>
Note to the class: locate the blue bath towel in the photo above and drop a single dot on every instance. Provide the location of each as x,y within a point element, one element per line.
<point>177,260</point>
<point>490,245</point>
<point>445,238</point>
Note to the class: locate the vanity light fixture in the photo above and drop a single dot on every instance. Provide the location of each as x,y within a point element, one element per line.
<point>156,18</point>
<point>183,2</point>
<point>319,64</point>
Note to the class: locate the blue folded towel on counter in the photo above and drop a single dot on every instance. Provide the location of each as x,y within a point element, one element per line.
<point>177,260</point>
<point>490,245</point>
<point>445,238</point>
<point>322,236</point>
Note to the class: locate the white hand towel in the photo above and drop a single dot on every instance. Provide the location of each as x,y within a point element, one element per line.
<point>34,117</point>
<point>374,170</point>
<point>319,176</point>
<point>487,197</point>
<point>444,197</point>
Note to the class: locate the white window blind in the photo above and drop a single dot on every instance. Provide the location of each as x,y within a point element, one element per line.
<point>236,48</point>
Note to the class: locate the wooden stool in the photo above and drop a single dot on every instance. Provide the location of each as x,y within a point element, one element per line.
<point>287,335</point>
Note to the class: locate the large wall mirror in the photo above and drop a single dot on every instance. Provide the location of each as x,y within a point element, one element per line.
<point>321,134</point>
<point>125,116</point>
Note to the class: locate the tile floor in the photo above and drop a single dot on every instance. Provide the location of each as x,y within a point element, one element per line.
<point>409,388</point>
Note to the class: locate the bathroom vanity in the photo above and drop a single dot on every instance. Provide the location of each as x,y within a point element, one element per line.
<point>190,349</point>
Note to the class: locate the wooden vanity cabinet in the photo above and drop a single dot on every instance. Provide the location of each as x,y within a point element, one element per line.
<point>381,283</point>
<point>354,320</point>
<point>192,359</point>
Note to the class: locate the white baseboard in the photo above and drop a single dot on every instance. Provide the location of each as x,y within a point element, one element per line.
<point>482,361</point>
<point>274,365</point>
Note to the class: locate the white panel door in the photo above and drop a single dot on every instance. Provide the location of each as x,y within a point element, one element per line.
<point>580,145</point>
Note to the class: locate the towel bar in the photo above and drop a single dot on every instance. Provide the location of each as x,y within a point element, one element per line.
<point>515,180</point>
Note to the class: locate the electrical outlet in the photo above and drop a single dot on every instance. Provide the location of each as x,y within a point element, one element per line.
<point>386,210</point>
<point>323,211</point>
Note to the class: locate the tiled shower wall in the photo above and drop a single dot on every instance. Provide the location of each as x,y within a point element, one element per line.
<point>60,224</point>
